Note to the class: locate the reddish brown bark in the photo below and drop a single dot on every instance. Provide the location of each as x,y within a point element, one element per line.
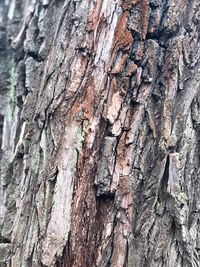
<point>100,153</point>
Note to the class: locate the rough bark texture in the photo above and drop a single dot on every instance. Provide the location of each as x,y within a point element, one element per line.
<point>99,133</point>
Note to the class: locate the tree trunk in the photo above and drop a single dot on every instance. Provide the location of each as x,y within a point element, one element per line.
<point>99,133</point>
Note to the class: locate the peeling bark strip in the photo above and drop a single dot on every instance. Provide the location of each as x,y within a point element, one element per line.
<point>99,133</point>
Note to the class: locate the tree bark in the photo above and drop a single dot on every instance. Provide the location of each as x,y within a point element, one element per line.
<point>99,133</point>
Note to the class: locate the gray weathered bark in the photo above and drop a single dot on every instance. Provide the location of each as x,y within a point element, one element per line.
<point>99,133</point>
